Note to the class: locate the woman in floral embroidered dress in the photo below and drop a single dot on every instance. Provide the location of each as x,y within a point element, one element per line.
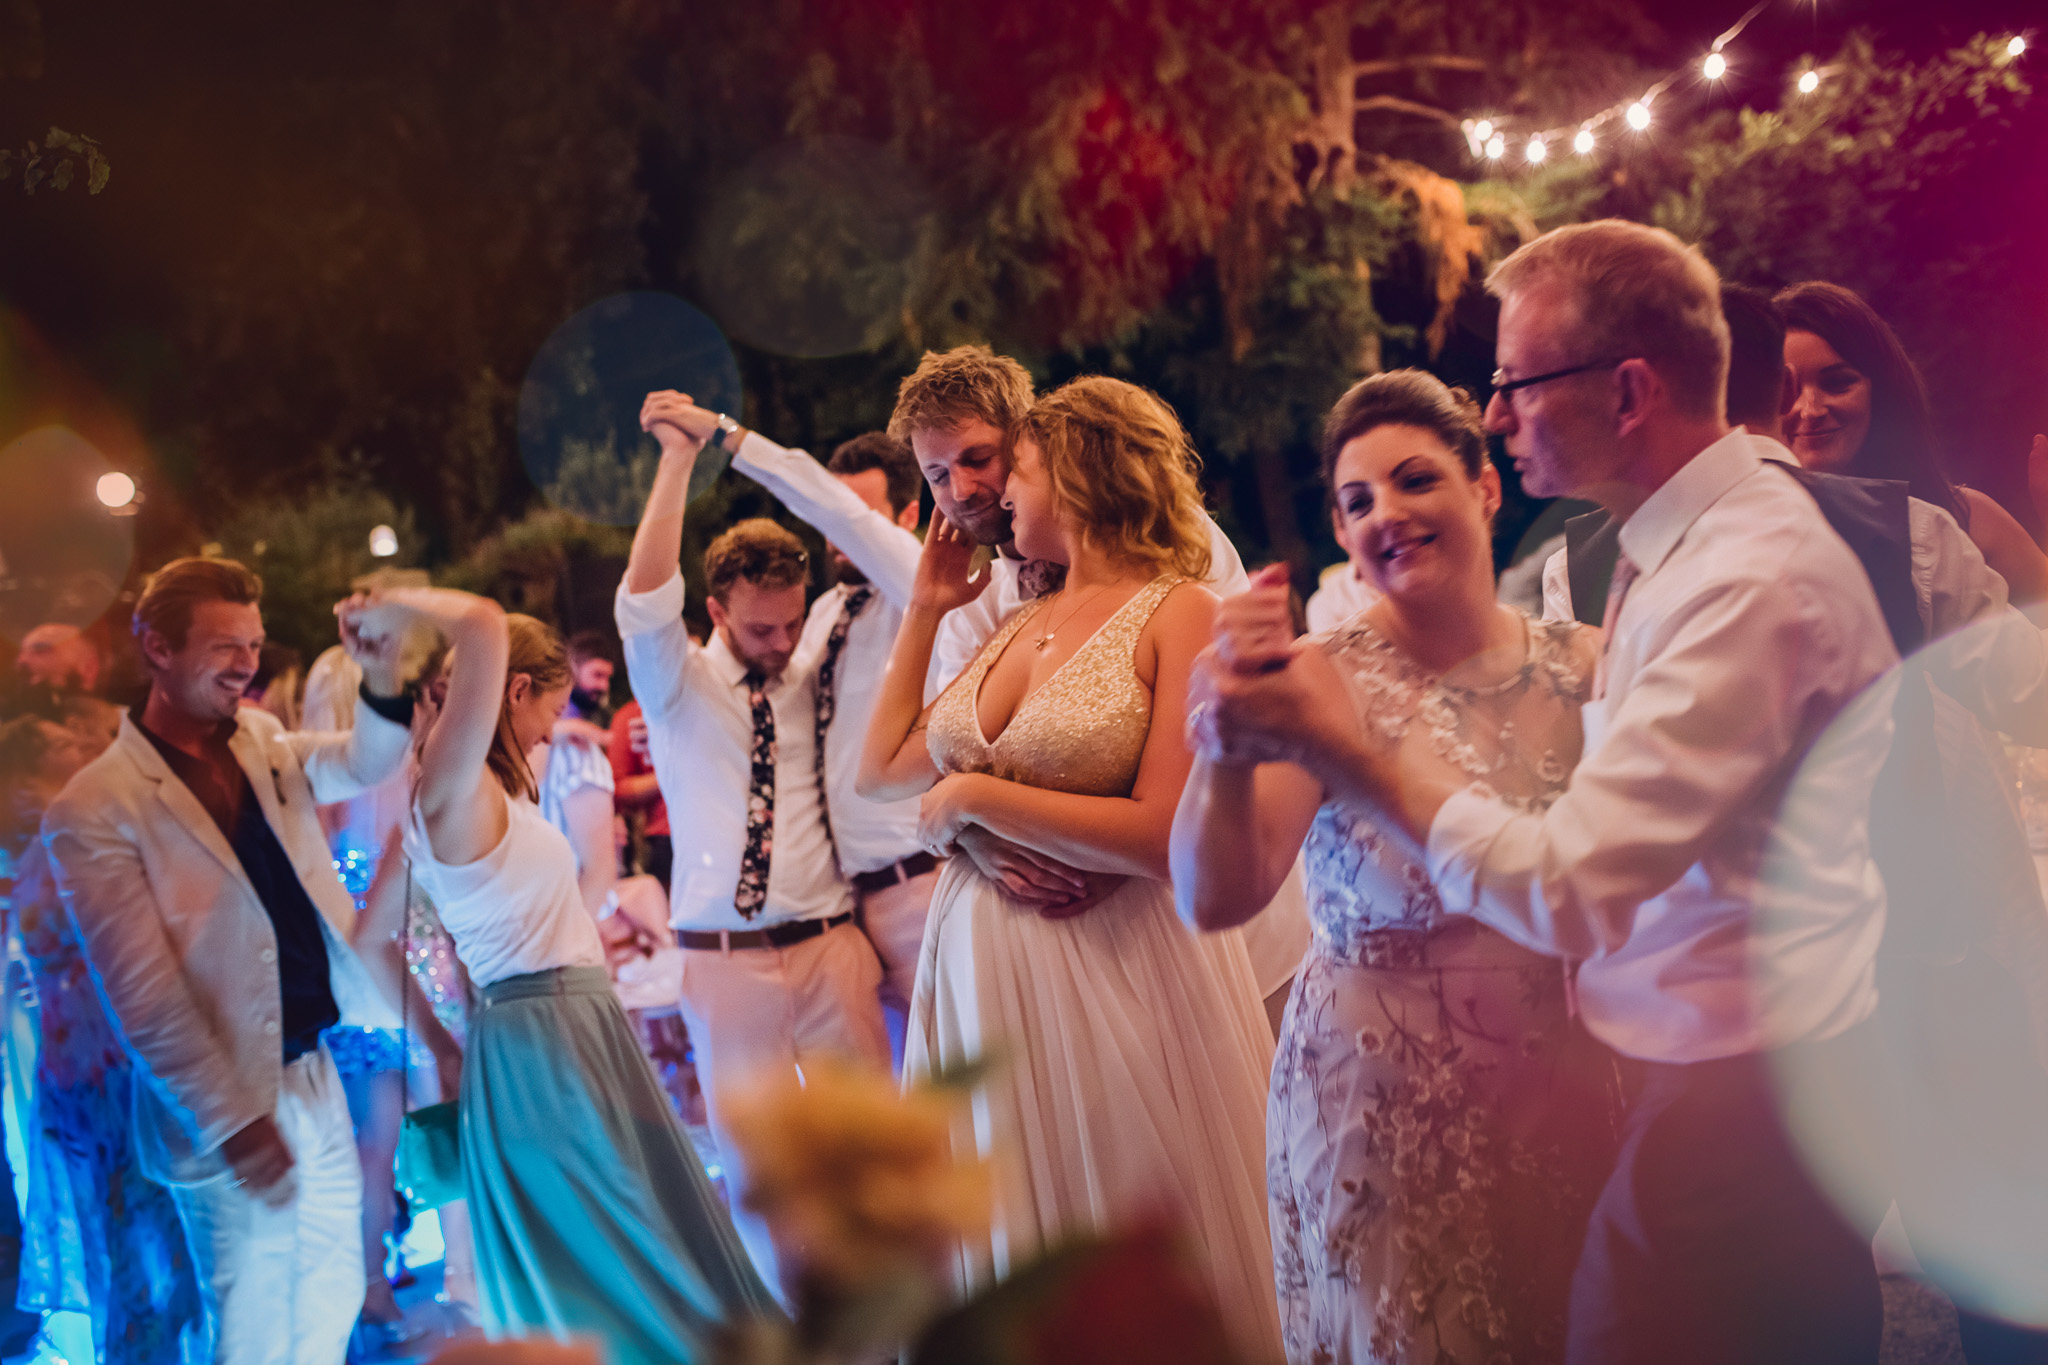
<point>1438,1125</point>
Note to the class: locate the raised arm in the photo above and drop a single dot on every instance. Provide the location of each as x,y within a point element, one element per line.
<point>681,428</point>
<point>1122,834</point>
<point>459,801</point>
<point>895,761</point>
<point>340,764</point>
<point>878,547</point>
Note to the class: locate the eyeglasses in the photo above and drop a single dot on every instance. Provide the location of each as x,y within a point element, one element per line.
<point>1504,387</point>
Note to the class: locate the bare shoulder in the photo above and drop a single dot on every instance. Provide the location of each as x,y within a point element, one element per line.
<point>1990,523</point>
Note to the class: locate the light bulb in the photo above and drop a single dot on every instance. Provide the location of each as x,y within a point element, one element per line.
<point>383,542</point>
<point>1536,150</point>
<point>2017,47</point>
<point>1714,67</point>
<point>1583,143</point>
<point>114,490</point>
<point>1639,116</point>
<point>1809,82</point>
<point>1496,147</point>
<point>1482,130</point>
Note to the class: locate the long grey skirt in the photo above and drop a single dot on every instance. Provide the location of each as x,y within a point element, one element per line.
<point>590,1210</point>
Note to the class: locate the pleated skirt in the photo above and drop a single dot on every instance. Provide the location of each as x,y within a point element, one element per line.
<point>1132,1061</point>
<point>590,1211</point>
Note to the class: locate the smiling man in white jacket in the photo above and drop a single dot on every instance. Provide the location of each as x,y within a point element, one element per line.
<point>192,860</point>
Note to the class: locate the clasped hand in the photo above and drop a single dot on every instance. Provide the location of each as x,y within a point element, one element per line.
<point>1255,697</point>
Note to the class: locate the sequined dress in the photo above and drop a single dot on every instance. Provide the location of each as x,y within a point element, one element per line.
<point>1133,1053</point>
<point>1438,1125</point>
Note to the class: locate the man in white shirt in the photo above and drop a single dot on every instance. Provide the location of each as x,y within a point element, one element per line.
<point>775,971</point>
<point>865,504</point>
<point>1709,864</point>
<point>955,411</point>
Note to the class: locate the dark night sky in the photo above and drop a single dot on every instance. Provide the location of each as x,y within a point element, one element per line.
<point>179,94</point>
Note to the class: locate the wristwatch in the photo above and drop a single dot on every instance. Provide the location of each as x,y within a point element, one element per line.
<point>726,427</point>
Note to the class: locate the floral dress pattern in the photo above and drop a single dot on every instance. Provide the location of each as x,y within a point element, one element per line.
<point>100,1237</point>
<point>1438,1125</point>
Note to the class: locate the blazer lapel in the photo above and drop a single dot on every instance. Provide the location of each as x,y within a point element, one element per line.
<point>177,798</point>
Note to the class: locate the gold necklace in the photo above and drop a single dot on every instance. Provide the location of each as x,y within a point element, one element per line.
<point>1042,641</point>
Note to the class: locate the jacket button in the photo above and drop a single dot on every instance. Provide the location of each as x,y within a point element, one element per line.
<point>271,1028</point>
<point>267,956</point>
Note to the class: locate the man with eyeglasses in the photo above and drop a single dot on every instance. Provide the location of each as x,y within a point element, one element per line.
<point>1708,869</point>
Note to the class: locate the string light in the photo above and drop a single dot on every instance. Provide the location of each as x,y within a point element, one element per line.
<point>1483,130</point>
<point>1583,143</point>
<point>2017,47</point>
<point>1537,150</point>
<point>1639,116</point>
<point>1715,66</point>
<point>1809,82</point>
<point>1496,147</point>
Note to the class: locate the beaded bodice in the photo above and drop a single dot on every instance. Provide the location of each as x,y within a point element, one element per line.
<point>1082,731</point>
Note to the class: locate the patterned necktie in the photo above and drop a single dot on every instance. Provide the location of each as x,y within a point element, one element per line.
<point>828,695</point>
<point>753,888</point>
<point>1617,588</point>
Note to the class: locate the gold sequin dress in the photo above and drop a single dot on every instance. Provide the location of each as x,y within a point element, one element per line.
<point>1135,1053</point>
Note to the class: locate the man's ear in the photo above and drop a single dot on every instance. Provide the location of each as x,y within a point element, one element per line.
<point>908,517</point>
<point>1636,388</point>
<point>717,610</point>
<point>156,649</point>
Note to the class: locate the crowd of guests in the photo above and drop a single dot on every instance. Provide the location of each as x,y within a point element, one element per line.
<point>1582,921</point>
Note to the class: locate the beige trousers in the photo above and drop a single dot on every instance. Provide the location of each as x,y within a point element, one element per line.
<point>753,1010</point>
<point>894,917</point>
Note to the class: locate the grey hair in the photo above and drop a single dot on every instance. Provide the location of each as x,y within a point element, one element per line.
<point>1639,292</point>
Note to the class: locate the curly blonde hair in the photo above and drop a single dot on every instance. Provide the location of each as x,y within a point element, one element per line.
<point>1121,463</point>
<point>951,388</point>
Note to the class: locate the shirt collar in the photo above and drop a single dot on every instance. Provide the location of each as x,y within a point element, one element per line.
<point>1649,537</point>
<point>724,662</point>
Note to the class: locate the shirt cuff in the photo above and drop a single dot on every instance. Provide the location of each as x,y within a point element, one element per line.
<point>638,613</point>
<point>1465,824</point>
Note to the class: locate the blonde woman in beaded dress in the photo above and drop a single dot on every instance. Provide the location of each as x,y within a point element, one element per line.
<point>1133,1054</point>
<point>1438,1125</point>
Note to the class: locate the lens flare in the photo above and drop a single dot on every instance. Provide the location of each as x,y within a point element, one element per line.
<point>114,490</point>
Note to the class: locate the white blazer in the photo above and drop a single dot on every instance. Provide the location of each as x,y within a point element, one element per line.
<point>180,945</point>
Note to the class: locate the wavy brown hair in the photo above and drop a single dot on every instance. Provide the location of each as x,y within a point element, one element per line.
<point>1122,465</point>
<point>536,649</point>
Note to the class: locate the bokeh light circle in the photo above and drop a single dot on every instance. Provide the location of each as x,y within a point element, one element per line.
<point>1939,1105</point>
<point>63,555</point>
<point>114,490</point>
<point>579,409</point>
<point>816,248</point>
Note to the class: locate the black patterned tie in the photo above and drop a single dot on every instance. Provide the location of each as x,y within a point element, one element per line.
<point>753,888</point>
<point>828,694</point>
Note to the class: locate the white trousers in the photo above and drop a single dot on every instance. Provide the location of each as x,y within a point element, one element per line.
<point>282,1286</point>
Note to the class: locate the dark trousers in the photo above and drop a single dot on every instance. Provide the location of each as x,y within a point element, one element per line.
<point>1709,1244</point>
<point>659,858</point>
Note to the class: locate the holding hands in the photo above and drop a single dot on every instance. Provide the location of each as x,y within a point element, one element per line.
<point>676,421</point>
<point>1255,697</point>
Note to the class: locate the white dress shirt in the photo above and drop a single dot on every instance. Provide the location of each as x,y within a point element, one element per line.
<point>1998,670</point>
<point>700,737</point>
<point>1710,861</point>
<point>966,629</point>
<point>871,835</point>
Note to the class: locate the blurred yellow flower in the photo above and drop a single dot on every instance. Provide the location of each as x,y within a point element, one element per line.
<point>856,1180</point>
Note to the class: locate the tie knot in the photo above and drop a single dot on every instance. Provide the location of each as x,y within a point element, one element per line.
<point>755,680</point>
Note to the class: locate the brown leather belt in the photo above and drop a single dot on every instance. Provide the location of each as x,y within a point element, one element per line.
<point>916,865</point>
<point>774,936</point>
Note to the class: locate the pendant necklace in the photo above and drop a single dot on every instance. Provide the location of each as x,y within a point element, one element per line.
<point>1042,641</point>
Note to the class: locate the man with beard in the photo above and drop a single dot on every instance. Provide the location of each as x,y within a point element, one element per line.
<point>955,411</point>
<point>590,668</point>
<point>775,975</point>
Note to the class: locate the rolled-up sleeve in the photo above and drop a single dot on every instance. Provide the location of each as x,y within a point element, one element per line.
<point>657,645</point>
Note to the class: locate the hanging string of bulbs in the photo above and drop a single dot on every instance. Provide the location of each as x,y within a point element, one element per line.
<point>1488,139</point>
